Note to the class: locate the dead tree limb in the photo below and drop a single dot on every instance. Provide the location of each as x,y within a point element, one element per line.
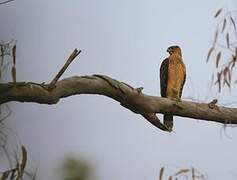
<point>127,96</point>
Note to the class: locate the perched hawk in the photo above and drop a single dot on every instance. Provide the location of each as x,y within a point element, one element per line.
<point>172,79</point>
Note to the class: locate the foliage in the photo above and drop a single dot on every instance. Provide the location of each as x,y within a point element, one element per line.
<point>8,49</point>
<point>18,171</point>
<point>74,168</point>
<point>17,163</point>
<point>224,48</point>
<point>187,173</point>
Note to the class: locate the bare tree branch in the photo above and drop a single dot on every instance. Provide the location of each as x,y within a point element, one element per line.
<point>5,2</point>
<point>127,96</point>
<point>74,54</point>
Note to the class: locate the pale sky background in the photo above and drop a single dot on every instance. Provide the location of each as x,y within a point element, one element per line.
<point>127,40</point>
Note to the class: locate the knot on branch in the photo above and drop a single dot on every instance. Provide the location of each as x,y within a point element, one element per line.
<point>212,104</point>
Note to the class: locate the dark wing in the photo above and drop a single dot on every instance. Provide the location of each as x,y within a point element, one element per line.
<point>181,88</point>
<point>164,77</point>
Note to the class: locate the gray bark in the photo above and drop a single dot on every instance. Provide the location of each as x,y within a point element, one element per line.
<point>129,97</point>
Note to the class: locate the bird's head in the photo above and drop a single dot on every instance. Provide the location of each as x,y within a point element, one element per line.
<point>174,49</point>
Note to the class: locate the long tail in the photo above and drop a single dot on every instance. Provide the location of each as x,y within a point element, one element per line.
<point>168,121</point>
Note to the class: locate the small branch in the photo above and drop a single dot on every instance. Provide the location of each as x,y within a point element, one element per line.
<point>73,55</point>
<point>7,115</point>
<point>154,120</point>
<point>5,2</point>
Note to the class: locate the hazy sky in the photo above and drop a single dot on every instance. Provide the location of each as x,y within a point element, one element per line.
<point>127,40</point>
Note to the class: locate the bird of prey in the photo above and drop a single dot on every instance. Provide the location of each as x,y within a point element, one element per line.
<point>172,79</point>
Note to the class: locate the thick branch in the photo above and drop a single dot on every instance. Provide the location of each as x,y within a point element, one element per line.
<point>128,97</point>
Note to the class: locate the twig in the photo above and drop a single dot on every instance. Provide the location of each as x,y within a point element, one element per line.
<point>5,2</point>
<point>74,54</point>
<point>8,114</point>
